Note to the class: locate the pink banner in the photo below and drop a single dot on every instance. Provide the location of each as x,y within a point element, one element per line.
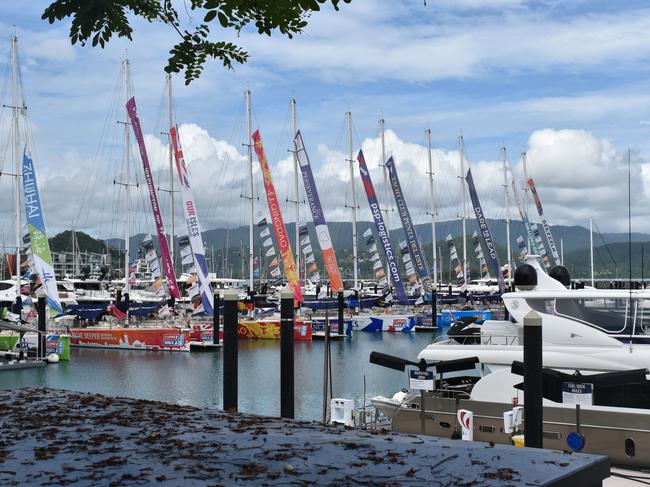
<point>167,264</point>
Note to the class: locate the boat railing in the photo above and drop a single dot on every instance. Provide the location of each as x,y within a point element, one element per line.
<point>503,340</point>
<point>372,419</point>
<point>451,393</point>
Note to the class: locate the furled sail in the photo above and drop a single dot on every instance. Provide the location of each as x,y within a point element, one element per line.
<point>380,226</point>
<point>40,246</point>
<point>318,217</point>
<point>484,232</point>
<point>277,221</point>
<point>192,226</point>
<point>414,247</point>
<point>168,265</point>
<point>547,228</point>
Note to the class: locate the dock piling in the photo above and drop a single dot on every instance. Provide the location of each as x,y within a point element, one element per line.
<point>434,307</point>
<point>40,309</point>
<point>286,354</point>
<point>341,306</point>
<point>216,318</point>
<point>230,350</point>
<point>533,414</point>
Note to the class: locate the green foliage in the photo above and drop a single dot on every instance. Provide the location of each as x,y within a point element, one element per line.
<point>98,20</point>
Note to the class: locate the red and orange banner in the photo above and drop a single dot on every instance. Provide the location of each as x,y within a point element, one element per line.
<point>276,220</point>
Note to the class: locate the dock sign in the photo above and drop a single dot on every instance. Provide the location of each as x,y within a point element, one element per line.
<point>422,381</point>
<point>577,393</point>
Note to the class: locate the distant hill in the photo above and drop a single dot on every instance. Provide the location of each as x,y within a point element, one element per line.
<point>575,239</point>
<point>62,242</point>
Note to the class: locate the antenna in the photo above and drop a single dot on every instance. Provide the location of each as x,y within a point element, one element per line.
<point>629,237</point>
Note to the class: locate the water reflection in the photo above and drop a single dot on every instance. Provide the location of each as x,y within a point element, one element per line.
<point>196,378</point>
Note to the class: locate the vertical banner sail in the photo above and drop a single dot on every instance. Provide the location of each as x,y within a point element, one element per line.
<point>377,266</point>
<point>277,220</point>
<point>311,267</point>
<point>540,245</point>
<point>523,250</point>
<point>455,261</point>
<point>168,266</point>
<point>478,250</point>
<point>322,232</point>
<point>151,258</point>
<point>524,219</point>
<point>411,273</point>
<point>41,255</point>
<point>273,265</point>
<point>547,229</point>
<point>381,229</point>
<point>192,225</point>
<point>484,231</point>
<point>419,262</point>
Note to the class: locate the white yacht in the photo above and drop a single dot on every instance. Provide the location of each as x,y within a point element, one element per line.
<point>589,329</point>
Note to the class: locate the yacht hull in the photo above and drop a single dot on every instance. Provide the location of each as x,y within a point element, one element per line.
<point>623,435</point>
<point>384,323</point>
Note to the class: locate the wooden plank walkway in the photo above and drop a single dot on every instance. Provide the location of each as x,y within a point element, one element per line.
<point>55,437</point>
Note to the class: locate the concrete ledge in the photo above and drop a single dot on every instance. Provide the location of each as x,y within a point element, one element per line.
<point>59,437</point>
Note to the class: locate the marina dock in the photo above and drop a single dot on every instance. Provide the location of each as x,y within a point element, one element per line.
<point>50,436</point>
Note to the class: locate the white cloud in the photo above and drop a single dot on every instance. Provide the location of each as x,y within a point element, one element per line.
<point>402,43</point>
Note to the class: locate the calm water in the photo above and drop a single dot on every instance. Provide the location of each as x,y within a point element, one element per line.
<point>196,378</point>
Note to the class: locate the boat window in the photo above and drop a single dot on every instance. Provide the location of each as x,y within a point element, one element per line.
<point>5,285</point>
<point>642,322</point>
<point>610,315</point>
<point>630,449</point>
<point>540,305</point>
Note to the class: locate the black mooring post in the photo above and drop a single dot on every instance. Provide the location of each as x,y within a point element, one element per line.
<point>230,352</point>
<point>286,354</point>
<point>341,306</point>
<point>216,318</point>
<point>434,307</point>
<point>533,416</point>
<point>40,309</point>
<point>450,290</point>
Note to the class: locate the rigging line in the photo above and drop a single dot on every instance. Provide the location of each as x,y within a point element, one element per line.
<point>605,244</point>
<point>223,165</point>
<point>90,189</point>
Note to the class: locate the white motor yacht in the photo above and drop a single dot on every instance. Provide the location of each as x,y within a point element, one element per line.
<point>589,329</point>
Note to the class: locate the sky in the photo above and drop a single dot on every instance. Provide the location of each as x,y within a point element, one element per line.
<point>564,82</point>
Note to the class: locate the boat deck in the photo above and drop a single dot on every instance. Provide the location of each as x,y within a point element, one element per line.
<point>15,364</point>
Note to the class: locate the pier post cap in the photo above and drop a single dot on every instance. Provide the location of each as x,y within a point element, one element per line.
<point>532,318</point>
<point>230,294</point>
<point>40,293</point>
<point>286,293</point>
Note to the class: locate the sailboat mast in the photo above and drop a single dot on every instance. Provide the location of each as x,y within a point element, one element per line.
<point>591,249</point>
<point>250,187</point>
<point>383,164</point>
<point>127,143</point>
<point>461,150</point>
<point>385,171</point>
<point>506,202</point>
<point>525,167</point>
<point>14,80</point>
<point>170,239</point>
<point>434,267</point>
<point>225,255</point>
<point>354,203</point>
<point>294,125</point>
